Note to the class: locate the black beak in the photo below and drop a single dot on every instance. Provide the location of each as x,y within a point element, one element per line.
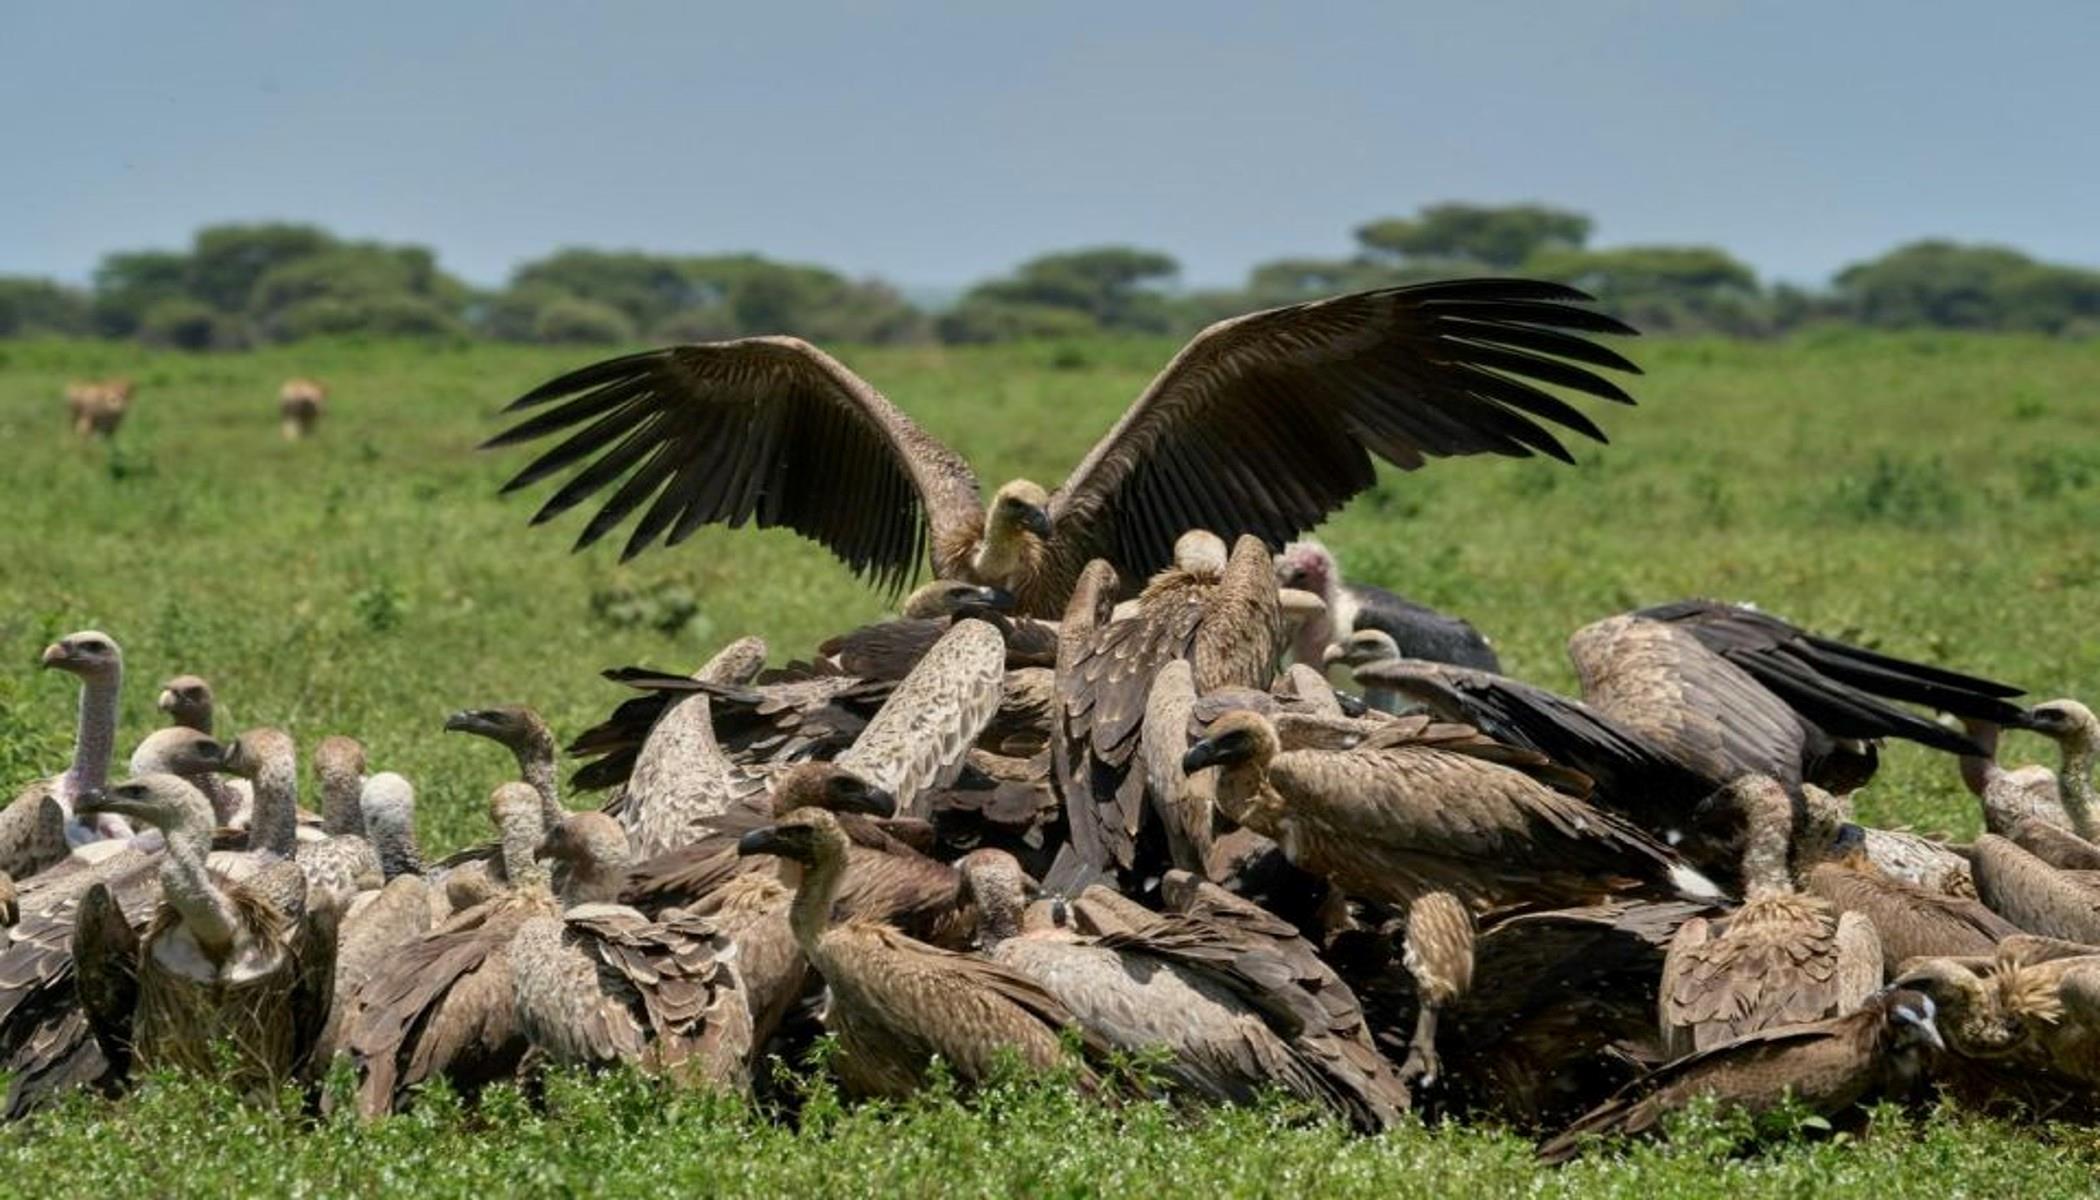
<point>873,802</point>
<point>998,599</point>
<point>89,804</point>
<point>1200,755</point>
<point>1036,521</point>
<point>1850,837</point>
<point>763,841</point>
<point>464,721</point>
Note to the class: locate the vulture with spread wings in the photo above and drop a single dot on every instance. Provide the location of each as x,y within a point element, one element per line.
<point>1263,424</point>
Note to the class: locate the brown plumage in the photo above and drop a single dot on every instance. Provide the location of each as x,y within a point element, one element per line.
<point>1911,922</point>
<point>1222,1006</point>
<point>1262,425</point>
<point>919,739</point>
<point>1826,1066</point>
<point>898,1003</point>
<point>600,983</point>
<point>1423,809</point>
<point>1217,613</point>
<point>300,403</point>
<point>889,649</point>
<point>27,844</point>
<point>188,700</point>
<point>2032,894</point>
<point>1782,958</point>
<point>2023,1026</point>
<point>222,964</point>
<point>443,1004</point>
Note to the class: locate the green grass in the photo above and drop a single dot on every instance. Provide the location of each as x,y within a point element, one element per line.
<point>1934,496</point>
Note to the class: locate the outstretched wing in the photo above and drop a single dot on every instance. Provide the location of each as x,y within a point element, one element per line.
<point>1266,423</point>
<point>765,429</point>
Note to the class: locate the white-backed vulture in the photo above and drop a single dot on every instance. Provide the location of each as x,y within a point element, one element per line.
<point>600,983</point>
<point>2032,1009</point>
<point>341,861</point>
<point>521,731</point>
<point>443,1004</point>
<point>1216,611</point>
<point>1825,1066</point>
<point>95,659</point>
<point>45,1042</point>
<point>224,964</point>
<point>898,1003</point>
<point>1784,957</point>
<point>1441,822</point>
<point>300,403</point>
<point>1910,921</point>
<point>1416,630</point>
<point>889,649</point>
<point>919,739</point>
<point>1262,425</point>
<point>2076,731</point>
<point>188,700</point>
<point>1363,649</point>
<point>1225,1006</point>
<point>379,923</point>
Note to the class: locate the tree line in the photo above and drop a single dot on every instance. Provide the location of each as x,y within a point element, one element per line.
<point>245,284</point>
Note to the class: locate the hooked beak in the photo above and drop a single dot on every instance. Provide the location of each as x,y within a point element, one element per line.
<point>762,841</point>
<point>94,803</point>
<point>1200,755</point>
<point>464,721</point>
<point>1036,521</point>
<point>165,702</point>
<point>1334,653</point>
<point>54,654</point>
<point>998,599</point>
<point>874,802</point>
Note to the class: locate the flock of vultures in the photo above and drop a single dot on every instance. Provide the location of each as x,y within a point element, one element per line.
<point>1092,797</point>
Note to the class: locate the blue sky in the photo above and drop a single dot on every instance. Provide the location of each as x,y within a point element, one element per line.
<point>936,143</point>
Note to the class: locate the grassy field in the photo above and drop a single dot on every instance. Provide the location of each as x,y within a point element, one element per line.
<point>1933,496</point>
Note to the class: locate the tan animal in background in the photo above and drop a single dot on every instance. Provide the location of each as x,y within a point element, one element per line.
<point>299,405</point>
<point>97,406</point>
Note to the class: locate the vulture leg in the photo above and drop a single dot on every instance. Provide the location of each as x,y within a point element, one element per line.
<point>106,970</point>
<point>1439,954</point>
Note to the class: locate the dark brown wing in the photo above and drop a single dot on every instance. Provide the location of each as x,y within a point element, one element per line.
<point>766,429</point>
<point>314,948</point>
<point>1844,689</point>
<point>106,969</point>
<point>1266,423</point>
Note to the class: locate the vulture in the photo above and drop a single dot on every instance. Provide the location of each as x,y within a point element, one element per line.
<point>1443,823</point>
<point>378,923</point>
<point>521,731</point>
<point>443,1004</point>
<point>25,845</point>
<point>1742,692</point>
<point>1910,921</point>
<point>889,649</point>
<point>2033,1009</point>
<point>299,406</point>
<point>2064,798</point>
<point>1223,1004</point>
<point>1784,957</point>
<point>897,1003</point>
<point>1263,424</point>
<point>188,700</point>
<point>601,984</point>
<point>1415,630</point>
<point>225,967</point>
<point>1214,610</point>
<point>1827,1066</point>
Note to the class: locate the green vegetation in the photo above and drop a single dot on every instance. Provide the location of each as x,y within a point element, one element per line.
<point>1934,495</point>
<point>242,285</point>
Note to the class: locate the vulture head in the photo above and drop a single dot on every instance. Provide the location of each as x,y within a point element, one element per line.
<point>166,802</point>
<point>2065,721</point>
<point>512,726</point>
<point>254,750</point>
<point>178,750</point>
<point>594,849</point>
<point>340,760</point>
<point>89,654</point>
<point>1310,567</point>
<point>187,700</point>
<point>1201,552</point>
<point>1910,1015</point>
<point>1361,649</point>
<point>1969,1006</point>
<point>947,597</point>
<point>388,802</point>
<point>832,788</point>
<point>1239,738</point>
<point>1018,509</point>
<point>995,884</point>
<point>809,836</point>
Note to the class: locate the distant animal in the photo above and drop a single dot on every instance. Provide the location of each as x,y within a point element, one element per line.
<point>97,406</point>
<point>299,405</point>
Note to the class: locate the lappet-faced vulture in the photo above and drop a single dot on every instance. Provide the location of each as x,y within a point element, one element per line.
<point>1263,424</point>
